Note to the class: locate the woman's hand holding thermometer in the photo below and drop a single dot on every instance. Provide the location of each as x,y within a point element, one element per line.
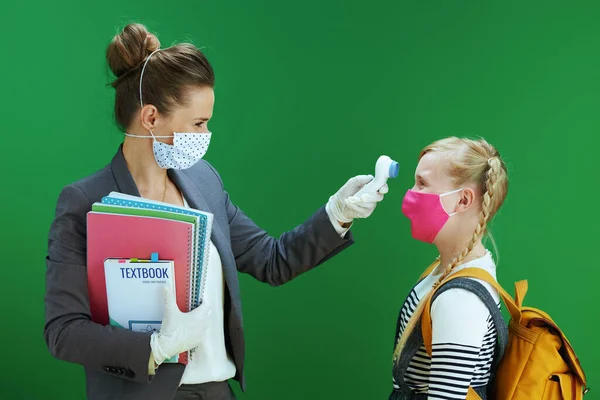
<point>385,168</point>
<point>360,195</point>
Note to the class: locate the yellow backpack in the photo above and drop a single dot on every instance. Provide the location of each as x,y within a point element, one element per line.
<point>538,362</point>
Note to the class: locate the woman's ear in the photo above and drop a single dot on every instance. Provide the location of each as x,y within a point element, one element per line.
<point>467,199</point>
<point>148,115</point>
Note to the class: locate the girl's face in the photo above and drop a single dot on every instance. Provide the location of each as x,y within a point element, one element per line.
<point>432,176</point>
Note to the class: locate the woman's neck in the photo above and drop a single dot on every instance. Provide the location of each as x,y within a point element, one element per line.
<point>150,179</point>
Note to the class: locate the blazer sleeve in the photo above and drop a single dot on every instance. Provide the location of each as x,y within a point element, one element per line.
<point>69,332</point>
<point>279,260</point>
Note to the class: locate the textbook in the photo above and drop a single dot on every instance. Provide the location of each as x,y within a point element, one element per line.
<point>135,294</point>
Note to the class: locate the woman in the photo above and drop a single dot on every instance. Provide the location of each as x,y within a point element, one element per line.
<point>459,185</point>
<point>164,101</point>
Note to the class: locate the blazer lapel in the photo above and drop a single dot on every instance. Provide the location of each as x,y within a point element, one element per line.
<point>196,199</point>
<point>123,178</point>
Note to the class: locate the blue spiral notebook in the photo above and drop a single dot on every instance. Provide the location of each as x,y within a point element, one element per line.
<point>203,227</point>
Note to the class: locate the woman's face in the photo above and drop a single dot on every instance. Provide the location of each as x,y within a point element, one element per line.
<point>192,117</point>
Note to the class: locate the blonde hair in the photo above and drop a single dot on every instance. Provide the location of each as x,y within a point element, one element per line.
<point>469,162</point>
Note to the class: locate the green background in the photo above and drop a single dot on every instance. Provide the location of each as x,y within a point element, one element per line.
<point>309,94</point>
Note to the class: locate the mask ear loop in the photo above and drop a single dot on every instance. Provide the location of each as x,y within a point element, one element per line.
<point>446,194</point>
<point>141,79</point>
<point>142,75</point>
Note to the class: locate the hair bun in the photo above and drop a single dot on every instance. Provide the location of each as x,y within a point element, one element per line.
<point>130,48</point>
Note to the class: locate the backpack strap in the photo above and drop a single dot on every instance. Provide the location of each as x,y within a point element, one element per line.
<point>497,319</point>
<point>487,299</point>
<point>478,273</point>
<point>463,282</point>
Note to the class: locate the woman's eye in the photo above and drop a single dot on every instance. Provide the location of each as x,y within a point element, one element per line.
<point>199,124</point>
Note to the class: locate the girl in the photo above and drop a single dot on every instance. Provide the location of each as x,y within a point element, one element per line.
<point>459,185</point>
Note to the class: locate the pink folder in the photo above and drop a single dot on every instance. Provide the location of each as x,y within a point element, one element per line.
<point>126,236</point>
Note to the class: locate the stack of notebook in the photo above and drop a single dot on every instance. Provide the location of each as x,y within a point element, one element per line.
<point>134,247</point>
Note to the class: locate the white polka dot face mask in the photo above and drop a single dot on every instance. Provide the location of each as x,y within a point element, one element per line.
<point>187,149</point>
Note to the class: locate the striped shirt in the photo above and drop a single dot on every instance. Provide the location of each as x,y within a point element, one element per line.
<point>463,341</point>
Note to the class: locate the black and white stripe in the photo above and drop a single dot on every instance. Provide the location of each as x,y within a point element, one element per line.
<point>408,309</point>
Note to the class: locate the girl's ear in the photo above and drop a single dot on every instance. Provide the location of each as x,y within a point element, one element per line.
<point>467,199</point>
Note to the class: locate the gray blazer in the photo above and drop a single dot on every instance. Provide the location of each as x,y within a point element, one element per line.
<point>116,360</point>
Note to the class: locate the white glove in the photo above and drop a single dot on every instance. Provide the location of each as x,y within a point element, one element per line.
<point>179,331</point>
<point>345,207</point>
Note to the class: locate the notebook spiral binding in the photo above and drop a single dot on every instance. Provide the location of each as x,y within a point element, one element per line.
<point>198,284</point>
<point>188,355</point>
<point>197,290</point>
<point>200,274</point>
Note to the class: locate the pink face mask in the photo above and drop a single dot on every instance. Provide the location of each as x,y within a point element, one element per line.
<point>426,214</point>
